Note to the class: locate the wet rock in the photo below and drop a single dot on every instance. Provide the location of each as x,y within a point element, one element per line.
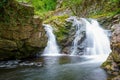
<point>115,78</point>
<point>8,44</point>
<point>9,64</point>
<point>22,34</point>
<point>110,22</point>
<point>28,63</point>
<point>112,63</point>
<point>66,50</point>
<point>116,33</point>
<point>18,63</point>
<point>71,36</point>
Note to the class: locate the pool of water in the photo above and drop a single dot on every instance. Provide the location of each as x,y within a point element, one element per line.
<point>57,68</point>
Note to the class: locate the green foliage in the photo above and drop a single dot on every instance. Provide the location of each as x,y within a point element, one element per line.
<point>2,3</point>
<point>59,23</point>
<point>13,14</point>
<point>74,5</point>
<point>41,6</point>
<point>114,0</point>
<point>71,2</point>
<point>24,1</point>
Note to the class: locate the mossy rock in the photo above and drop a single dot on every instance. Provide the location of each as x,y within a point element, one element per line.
<point>61,29</point>
<point>116,57</point>
<point>21,35</point>
<point>114,77</point>
<point>14,13</point>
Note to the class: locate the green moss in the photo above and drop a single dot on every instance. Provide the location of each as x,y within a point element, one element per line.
<point>59,24</point>
<point>106,63</point>
<point>116,57</point>
<point>61,19</point>
<point>107,11</point>
<point>14,13</point>
<point>41,6</point>
<point>105,14</point>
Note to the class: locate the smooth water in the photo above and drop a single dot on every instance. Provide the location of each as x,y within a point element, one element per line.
<point>98,42</point>
<point>58,68</point>
<point>78,25</point>
<point>52,47</point>
<point>97,39</point>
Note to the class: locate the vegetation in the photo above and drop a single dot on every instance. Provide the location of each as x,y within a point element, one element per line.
<point>41,6</point>
<point>12,13</point>
<point>58,22</point>
<point>80,8</point>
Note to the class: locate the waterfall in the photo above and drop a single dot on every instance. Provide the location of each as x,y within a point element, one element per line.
<point>96,42</point>
<point>77,37</point>
<point>52,48</point>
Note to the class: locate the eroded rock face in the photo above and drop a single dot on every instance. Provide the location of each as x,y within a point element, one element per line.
<point>72,34</point>
<point>22,39</point>
<point>112,65</point>
<point>107,22</point>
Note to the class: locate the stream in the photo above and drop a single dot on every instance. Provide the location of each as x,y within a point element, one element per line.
<point>58,68</point>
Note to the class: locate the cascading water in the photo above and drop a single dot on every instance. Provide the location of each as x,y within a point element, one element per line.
<point>77,36</point>
<point>97,41</point>
<point>79,28</point>
<point>52,48</point>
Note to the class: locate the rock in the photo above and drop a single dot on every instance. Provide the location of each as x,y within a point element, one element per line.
<point>59,3</point>
<point>18,63</point>
<point>110,22</point>
<point>36,39</point>
<point>8,45</point>
<point>71,36</point>
<point>6,34</point>
<point>28,63</point>
<point>65,31</point>
<point>116,78</point>
<point>112,64</point>
<point>66,50</point>
<point>26,28</point>
<point>21,33</point>
<point>116,34</point>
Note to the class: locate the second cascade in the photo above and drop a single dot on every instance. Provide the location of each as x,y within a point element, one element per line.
<point>90,38</point>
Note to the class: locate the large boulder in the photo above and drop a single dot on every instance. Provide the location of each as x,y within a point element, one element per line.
<point>21,33</point>
<point>112,65</point>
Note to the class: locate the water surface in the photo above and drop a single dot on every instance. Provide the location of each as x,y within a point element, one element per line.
<point>57,68</point>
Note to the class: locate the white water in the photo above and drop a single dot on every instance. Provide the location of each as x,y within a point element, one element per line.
<point>97,40</point>
<point>78,26</point>
<point>52,48</point>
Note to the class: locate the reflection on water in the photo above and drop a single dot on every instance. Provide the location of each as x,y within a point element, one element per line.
<point>57,68</point>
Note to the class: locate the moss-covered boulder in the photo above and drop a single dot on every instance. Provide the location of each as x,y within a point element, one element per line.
<point>21,33</point>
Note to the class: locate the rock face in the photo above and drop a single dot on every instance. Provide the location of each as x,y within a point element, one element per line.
<point>75,28</point>
<point>112,65</point>
<point>21,33</point>
<point>59,3</point>
<point>107,22</point>
<point>65,32</point>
